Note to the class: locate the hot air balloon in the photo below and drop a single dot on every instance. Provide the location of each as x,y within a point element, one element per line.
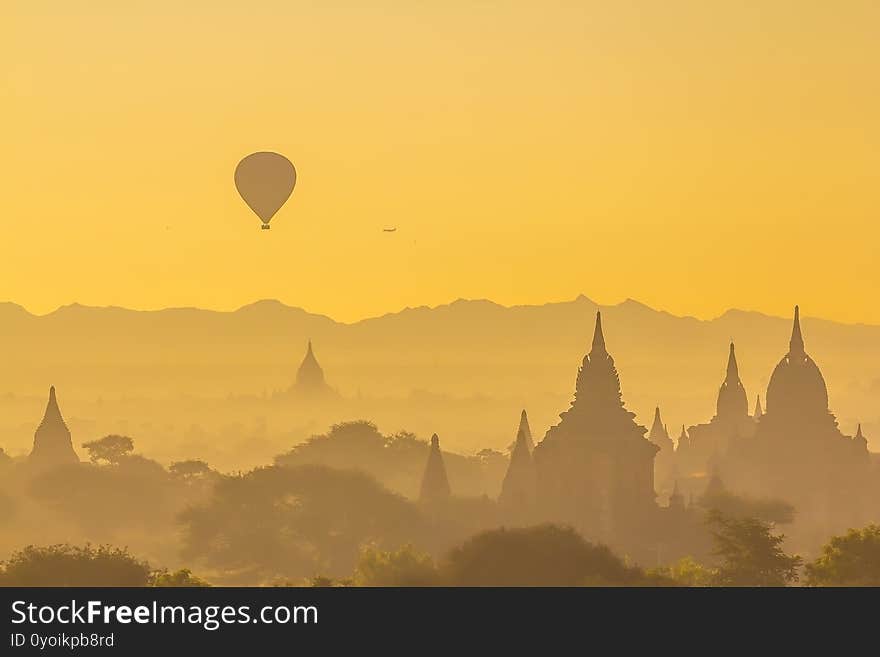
<point>265,180</point>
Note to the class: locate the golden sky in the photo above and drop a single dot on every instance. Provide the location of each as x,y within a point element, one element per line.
<point>693,155</point>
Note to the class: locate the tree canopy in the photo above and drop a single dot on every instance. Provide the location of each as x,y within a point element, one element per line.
<point>849,560</point>
<point>68,565</point>
<point>543,555</point>
<point>293,522</point>
<point>109,449</point>
<point>750,554</point>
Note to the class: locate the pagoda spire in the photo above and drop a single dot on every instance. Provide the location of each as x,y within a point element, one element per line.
<point>598,337</point>
<point>435,484</point>
<point>758,410</point>
<point>526,430</point>
<point>310,375</point>
<point>52,443</point>
<point>658,433</point>
<point>732,369</point>
<point>682,439</point>
<point>860,440</point>
<point>52,415</point>
<point>732,400</point>
<point>796,345</point>
<point>518,488</point>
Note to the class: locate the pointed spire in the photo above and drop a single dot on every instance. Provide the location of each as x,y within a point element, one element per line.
<point>526,430</point>
<point>598,337</point>
<point>52,415</point>
<point>758,410</point>
<point>860,441</point>
<point>310,376</point>
<point>435,484</point>
<point>518,487</point>
<point>796,345</point>
<point>732,369</point>
<point>658,431</point>
<point>732,401</point>
<point>52,443</point>
<point>682,438</point>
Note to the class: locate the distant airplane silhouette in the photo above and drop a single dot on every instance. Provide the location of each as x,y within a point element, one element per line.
<point>389,230</point>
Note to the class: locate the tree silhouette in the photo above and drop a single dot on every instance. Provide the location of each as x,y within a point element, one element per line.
<point>182,578</point>
<point>405,566</point>
<point>293,522</point>
<point>110,449</point>
<point>849,560</point>
<point>68,565</point>
<point>191,469</point>
<point>543,555</point>
<point>750,554</point>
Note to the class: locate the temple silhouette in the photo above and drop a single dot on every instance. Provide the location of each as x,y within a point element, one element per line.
<point>708,444</point>
<point>595,468</point>
<point>310,381</point>
<point>797,450</point>
<point>435,483</point>
<point>52,443</point>
<point>518,490</point>
<point>600,472</point>
<point>596,471</point>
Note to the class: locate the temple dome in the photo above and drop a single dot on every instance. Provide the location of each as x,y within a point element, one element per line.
<point>797,386</point>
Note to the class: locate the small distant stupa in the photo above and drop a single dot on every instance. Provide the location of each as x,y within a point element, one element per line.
<point>676,499</point>
<point>52,443</point>
<point>310,377</point>
<point>518,490</point>
<point>435,484</point>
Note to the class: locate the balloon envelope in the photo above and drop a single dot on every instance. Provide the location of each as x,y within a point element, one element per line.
<point>265,181</point>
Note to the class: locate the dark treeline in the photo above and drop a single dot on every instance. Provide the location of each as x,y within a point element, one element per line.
<point>303,521</point>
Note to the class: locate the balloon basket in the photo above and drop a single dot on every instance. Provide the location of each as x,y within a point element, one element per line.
<point>265,226</point>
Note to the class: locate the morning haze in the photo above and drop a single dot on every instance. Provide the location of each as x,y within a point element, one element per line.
<point>465,368</point>
<point>694,156</point>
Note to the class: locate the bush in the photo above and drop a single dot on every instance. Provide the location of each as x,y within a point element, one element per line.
<point>404,567</point>
<point>687,572</point>
<point>179,579</point>
<point>68,565</point>
<point>544,555</point>
<point>849,560</point>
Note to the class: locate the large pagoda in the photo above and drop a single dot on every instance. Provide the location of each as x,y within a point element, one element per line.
<point>595,468</point>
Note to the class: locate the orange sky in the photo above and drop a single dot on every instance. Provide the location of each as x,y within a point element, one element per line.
<point>693,155</point>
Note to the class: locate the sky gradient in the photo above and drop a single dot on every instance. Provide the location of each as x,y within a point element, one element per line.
<point>695,156</point>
